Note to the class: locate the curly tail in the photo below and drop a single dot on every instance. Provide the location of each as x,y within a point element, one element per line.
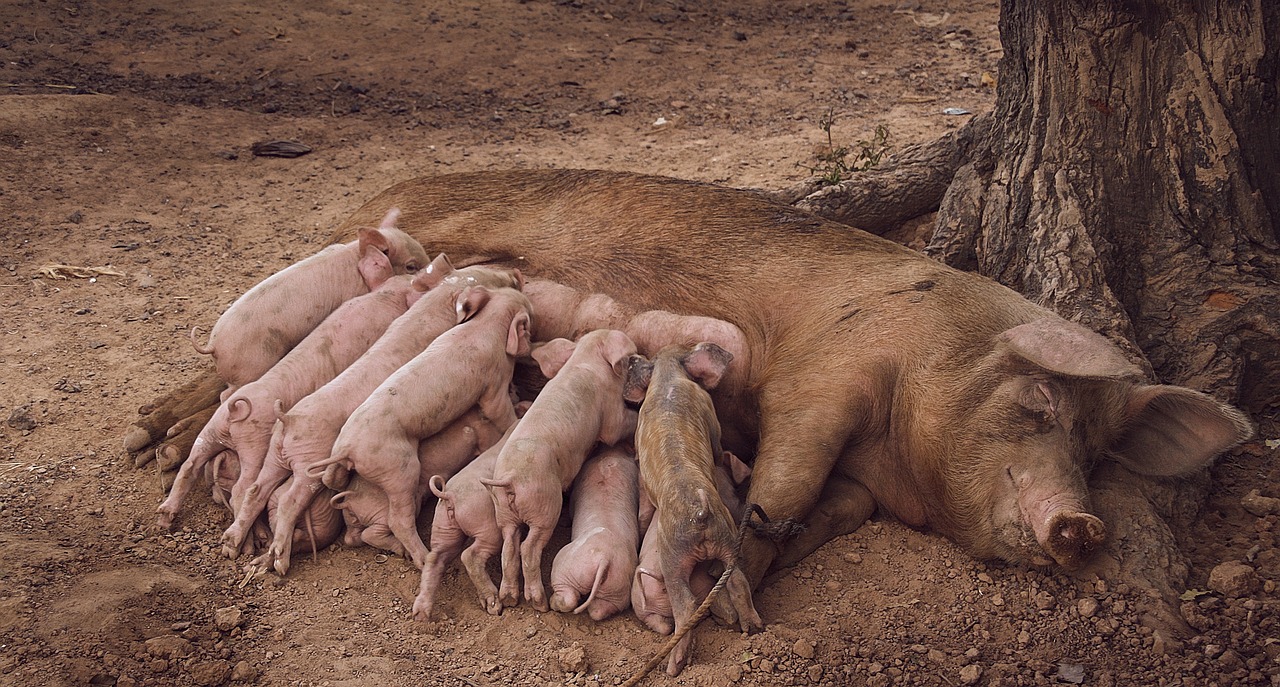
<point>200,349</point>
<point>601,570</point>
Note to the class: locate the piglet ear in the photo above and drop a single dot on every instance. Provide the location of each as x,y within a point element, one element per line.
<point>618,349</point>
<point>374,265</point>
<point>639,373</point>
<point>470,301</point>
<point>433,274</point>
<point>518,335</point>
<point>1172,430</point>
<point>1069,349</point>
<point>519,277</point>
<point>739,470</point>
<point>389,219</point>
<point>552,355</point>
<point>707,363</point>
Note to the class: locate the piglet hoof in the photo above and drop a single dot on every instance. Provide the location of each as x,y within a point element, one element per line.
<point>491,605</point>
<point>421,611</point>
<point>509,598</point>
<point>164,519</point>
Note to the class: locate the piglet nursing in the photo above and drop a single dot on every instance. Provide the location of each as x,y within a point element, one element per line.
<point>272,317</point>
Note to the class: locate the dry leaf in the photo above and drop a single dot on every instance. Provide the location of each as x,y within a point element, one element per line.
<point>58,271</point>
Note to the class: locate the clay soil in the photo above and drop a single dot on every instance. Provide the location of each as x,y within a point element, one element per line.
<point>125,143</point>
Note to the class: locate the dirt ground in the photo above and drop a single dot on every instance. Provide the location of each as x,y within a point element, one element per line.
<point>125,135</point>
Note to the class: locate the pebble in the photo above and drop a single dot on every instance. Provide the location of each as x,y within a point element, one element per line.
<point>572,659</point>
<point>244,672</point>
<point>168,646</point>
<point>970,674</point>
<point>803,648</point>
<point>228,619</point>
<point>211,673</point>
<point>815,674</point>
<point>1087,607</point>
<point>1233,579</point>
<point>1260,505</point>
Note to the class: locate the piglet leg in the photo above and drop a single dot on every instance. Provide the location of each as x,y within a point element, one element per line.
<point>535,542</point>
<point>475,558</point>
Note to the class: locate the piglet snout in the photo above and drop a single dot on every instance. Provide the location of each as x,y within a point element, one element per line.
<point>1073,537</point>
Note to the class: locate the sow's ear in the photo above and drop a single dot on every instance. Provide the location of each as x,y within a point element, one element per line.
<point>552,355</point>
<point>1171,430</point>
<point>639,372</point>
<point>1066,348</point>
<point>707,363</point>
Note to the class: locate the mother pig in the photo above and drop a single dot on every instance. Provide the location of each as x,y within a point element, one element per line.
<point>877,376</point>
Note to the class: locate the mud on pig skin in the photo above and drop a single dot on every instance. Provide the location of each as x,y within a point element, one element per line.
<point>245,420</point>
<point>468,365</point>
<point>914,384</point>
<point>678,446</point>
<point>599,560</point>
<point>583,402</point>
<point>305,434</point>
<point>464,511</point>
<point>364,503</point>
<point>269,319</point>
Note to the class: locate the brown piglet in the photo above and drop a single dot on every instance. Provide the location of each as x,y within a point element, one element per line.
<point>677,445</point>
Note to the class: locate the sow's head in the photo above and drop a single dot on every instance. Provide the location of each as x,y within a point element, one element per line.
<point>1048,399</point>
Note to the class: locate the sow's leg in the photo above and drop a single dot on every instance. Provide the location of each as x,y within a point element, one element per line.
<point>799,443</point>
<point>842,508</point>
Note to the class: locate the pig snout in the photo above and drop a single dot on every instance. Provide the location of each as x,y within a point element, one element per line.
<point>1071,538</point>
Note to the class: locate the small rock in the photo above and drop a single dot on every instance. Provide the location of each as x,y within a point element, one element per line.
<point>572,660</point>
<point>1070,673</point>
<point>211,673</point>
<point>1024,638</point>
<point>126,681</point>
<point>1087,607</point>
<point>766,666</point>
<point>815,674</point>
<point>936,656</point>
<point>1260,505</point>
<point>1045,601</point>
<point>983,577</point>
<point>228,619</point>
<point>168,647</point>
<point>803,648</point>
<point>20,419</point>
<point>970,674</point>
<point>244,672</point>
<point>1233,579</point>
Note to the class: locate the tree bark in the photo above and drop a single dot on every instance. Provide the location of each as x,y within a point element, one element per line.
<point>1134,182</point>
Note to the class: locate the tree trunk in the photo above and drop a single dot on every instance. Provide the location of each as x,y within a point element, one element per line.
<point>1134,183</point>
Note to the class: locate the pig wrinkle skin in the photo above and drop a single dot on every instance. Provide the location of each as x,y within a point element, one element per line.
<point>599,560</point>
<point>245,420</point>
<point>471,364</point>
<point>582,403</point>
<point>364,505</point>
<point>678,446</point>
<point>304,436</point>
<point>878,377</point>
<point>465,511</point>
<point>269,319</point>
